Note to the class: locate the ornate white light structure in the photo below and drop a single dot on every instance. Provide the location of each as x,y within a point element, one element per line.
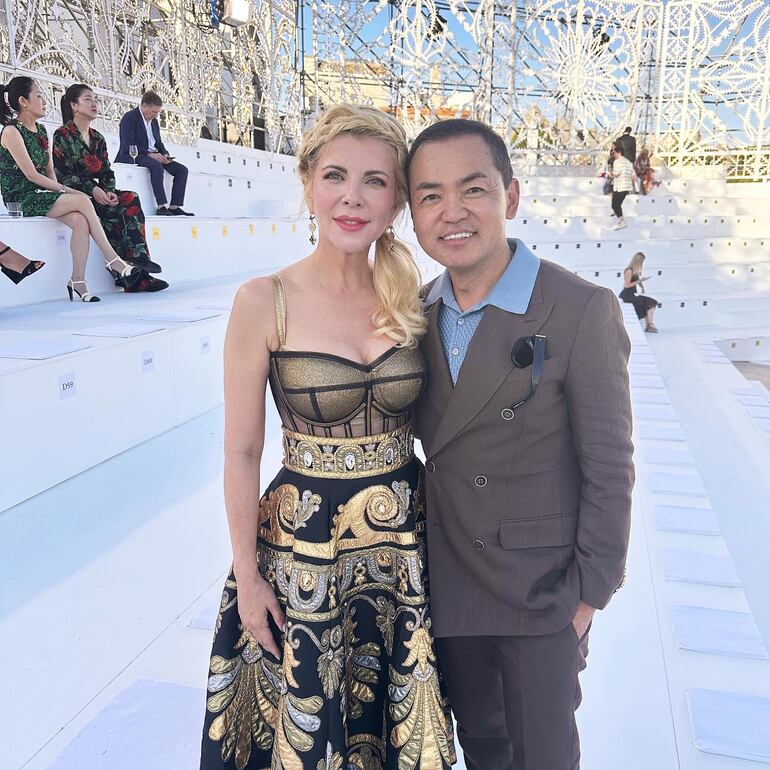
<point>559,79</point>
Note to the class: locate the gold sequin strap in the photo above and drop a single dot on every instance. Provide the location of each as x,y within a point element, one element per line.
<point>280,308</point>
<point>347,458</point>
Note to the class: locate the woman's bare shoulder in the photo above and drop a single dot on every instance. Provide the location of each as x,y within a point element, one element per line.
<point>254,310</point>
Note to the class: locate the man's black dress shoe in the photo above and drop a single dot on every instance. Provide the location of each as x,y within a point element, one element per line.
<point>179,212</point>
<point>164,211</point>
<point>146,264</point>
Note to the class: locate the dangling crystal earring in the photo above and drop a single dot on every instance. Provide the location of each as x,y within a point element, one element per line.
<point>312,227</point>
<point>391,236</point>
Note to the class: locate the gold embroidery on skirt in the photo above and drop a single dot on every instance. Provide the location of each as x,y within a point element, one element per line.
<point>246,690</point>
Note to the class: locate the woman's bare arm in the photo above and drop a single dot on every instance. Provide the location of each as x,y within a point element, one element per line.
<point>250,337</point>
<point>13,142</point>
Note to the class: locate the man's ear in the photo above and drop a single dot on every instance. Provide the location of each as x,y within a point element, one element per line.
<point>512,199</point>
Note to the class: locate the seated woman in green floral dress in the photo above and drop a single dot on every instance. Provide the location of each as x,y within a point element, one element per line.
<point>27,177</point>
<point>81,161</point>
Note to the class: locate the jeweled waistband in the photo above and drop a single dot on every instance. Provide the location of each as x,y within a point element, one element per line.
<point>347,458</point>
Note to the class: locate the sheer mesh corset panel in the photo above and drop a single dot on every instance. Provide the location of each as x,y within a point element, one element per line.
<point>322,394</point>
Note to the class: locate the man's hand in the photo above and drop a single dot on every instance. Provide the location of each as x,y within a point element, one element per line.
<point>113,199</point>
<point>160,158</point>
<point>582,619</point>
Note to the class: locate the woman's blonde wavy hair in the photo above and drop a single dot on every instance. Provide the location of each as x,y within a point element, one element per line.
<point>396,277</point>
<point>635,266</point>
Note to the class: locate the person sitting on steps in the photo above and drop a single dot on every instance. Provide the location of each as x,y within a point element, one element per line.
<point>81,161</point>
<point>27,177</point>
<point>139,127</point>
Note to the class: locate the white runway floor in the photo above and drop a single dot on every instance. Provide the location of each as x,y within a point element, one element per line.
<point>102,573</point>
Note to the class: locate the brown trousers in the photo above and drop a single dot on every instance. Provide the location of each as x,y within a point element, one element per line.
<point>515,697</point>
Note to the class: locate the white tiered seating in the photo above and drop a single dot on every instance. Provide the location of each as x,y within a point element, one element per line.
<point>247,224</point>
<point>668,453</point>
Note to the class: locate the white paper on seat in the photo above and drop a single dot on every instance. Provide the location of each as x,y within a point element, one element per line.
<point>647,381</point>
<point>120,330</point>
<point>657,412</point>
<point>206,617</point>
<point>731,724</point>
<point>751,400</point>
<point>674,484</point>
<point>758,411</point>
<point>642,369</point>
<point>660,432</point>
<point>692,521</point>
<point>717,632</point>
<point>744,391</point>
<point>152,725</point>
<point>39,350</point>
<point>177,316</point>
<point>658,455</point>
<point>649,396</point>
<point>713,569</point>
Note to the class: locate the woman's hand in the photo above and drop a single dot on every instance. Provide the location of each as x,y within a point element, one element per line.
<point>101,197</point>
<point>256,599</point>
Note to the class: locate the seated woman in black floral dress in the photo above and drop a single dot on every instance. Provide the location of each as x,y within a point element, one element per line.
<point>27,177</point>
<point>81,161</point>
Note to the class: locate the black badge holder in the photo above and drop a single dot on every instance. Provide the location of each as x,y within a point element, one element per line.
<point>527,351</point>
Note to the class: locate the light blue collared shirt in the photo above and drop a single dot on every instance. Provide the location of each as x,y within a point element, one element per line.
<point>511,293</point>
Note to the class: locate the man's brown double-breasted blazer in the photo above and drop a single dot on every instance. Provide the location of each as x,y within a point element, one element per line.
<point>526,516</point>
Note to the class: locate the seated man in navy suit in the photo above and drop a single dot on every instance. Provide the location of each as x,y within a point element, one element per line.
<point>140,127</point>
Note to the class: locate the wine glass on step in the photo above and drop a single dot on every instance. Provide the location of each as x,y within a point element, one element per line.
<point>133,151</point>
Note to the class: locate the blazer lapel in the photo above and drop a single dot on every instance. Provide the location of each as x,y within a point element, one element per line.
<point>487,364</point>
<point>440,386</point>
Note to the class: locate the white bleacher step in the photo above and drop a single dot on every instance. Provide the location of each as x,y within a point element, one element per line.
<point>708,637</point>
<point>188,249</point>
<point>120,391</point>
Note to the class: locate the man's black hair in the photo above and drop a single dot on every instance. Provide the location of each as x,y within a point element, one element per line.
<point>628,130</point>
<point>449,129</point>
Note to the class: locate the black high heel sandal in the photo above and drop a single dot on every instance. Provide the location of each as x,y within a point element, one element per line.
<point>18,277</point>
<point>86,296</point>
<point>127,277</point>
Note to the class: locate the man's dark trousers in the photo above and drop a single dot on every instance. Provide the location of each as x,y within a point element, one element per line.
<point>156,168</point>
<point>525,719</point>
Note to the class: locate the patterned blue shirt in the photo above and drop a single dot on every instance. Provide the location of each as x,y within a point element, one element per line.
<point>511,293</point>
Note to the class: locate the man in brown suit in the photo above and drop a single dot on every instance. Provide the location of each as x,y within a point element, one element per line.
<point>529,461</point>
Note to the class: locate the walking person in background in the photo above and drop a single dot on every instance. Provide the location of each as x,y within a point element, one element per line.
<point>633,282</point>
<point>622,184</point>
<point>27,177</point>
<point>139,127</point>
<point>81,161</point>
<point>627,145</point>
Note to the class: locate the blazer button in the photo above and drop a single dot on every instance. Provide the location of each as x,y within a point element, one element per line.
<point>507,414</point>
<point>479,545</point>
<point>430,466</point>
<point>480,481</point>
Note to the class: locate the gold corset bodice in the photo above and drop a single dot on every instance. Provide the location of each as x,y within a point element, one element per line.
<point>322,394</point>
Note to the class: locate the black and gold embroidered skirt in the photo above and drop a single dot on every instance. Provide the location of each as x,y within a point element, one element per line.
<point>358,685</point>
